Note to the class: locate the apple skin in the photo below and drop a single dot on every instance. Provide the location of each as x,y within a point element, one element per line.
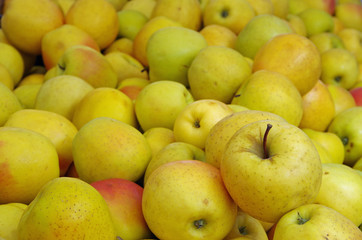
<point>351,39</point>
<point>188,200</point>
<point>10,215</point>
<point>314,221</point>
<point>258,177</point>
<point>326,40</point>
<point>124,199</point>
<point>325,21</point>
<point>158,138</point>
<point>9,102</point>
<point>12,60</point>
<point>130,22</point>
<point>357,95</point>
<point>350,15</point>
<point>342,98</point>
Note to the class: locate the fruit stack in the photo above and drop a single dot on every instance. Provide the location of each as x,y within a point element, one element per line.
<point>181,120</point>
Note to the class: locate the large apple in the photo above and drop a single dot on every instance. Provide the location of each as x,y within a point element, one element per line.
<point>158,104</point>
<point>272,92</point>
<point>124,200</point>
<point>258,163</point>
<point>258,31</point>
<point>170,52</point>
<point>216,73</point>
<point>193,123</point>
<point>314,221</point>
<point>188,200</point>
<point>347,125</point>
<point>108,148</point>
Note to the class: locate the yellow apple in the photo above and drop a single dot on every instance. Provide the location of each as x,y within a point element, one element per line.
<point>130,23</point>
<point>158,138</point>
<point>107,148</point>
<point>170,52</point>
<point>297,24</point>
<point>27,94</point>
<point>194,122</point>
<point>124,45</point>
<point>10,215</point>
<point>12,60</point>
<point>32,78</point>
<point>237,108</point>
<point>9,103</point>
<point>350,15</point>
<point>318,108</point>
<point>342,98</point>
<point>294,56</point>
<point>144,6</point>
<point>6,78</point>
<point>280,8</point>
<point>98,18</point>
<point>132,86</point>
<point>352,41</point>
<point>358,164</point>
<point>313,26</point>
<point>118,4</point>
<point>188,200</point>
<point>262,6</point>
<point>25,22</point>
<point>257,164</point>
<point>224,129</point>
<point>217,35</point>
<point>25,168</point>
<point>186,12</point>
<point>64,5</point>
<point>271,92</point>
<point>104,102</point>
<point>55,42</point>
<point>233,14</point>
<point>324,156</point>
<point>341,190</point>
<point>216,73</point>
<point>326,40</point>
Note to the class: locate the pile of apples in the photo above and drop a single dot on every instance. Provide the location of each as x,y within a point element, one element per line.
<point>181,120</point>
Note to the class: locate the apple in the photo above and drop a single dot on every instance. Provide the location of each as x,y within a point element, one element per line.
<point>118,4</point>
<point>224,129</point>
<point>280,8</point>
<point>174,151</point>
<point>149,28</point>
<point>194,122</point>
<point>186,12</point>
<point>26,22</point>
<point>314,221</point>
<point>9,103</point>
<point>271,92</point>
<point>246,227</point>
<point>357,95</point>
<point>339,67</point>
<point>88,64</point>
<point>262,6</point>
<point>316,21</point>
<point>10,215</point>
<point>217,35</point>
<point>291,61</point>
<point>122,44</point>
<point>144,6</point>
<point>188,200</point>
<point>27,94</point>
<point>32,78</point>
<point>257,164</point>
<point>297,24</point>
<point>341,190</point>
<point>130,23</point>
<point>158,138</point>
<point>297,6</point>
<point>342,98</point>
<point>55,42</point>
<point>64,5</point>
<point>350,15</point>
<point>57,128</point>
<point>351,39</point>
<point>237,108</point>
<point>233,14</point>
<point>170,52</point>
<point>347,125</point>
<point>25,168</point>
<point>5,77</point>
<point>132,86</point>
<point>216,73</point>
<point>330,142</point>
<point>124,200</point>
<point>104,102</point>
<point>11,59</point>
<point>318,108</point>
<point>326,40</point>
<point>258,31</point>
<point>103,28</point>
<point>108,148</point>
<point>159,103</point>
<point>358,164</point>
<point>324,156</point>
<point>338,25</point>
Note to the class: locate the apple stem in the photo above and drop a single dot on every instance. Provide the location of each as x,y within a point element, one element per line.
<point>301,220</point>
<point>338,79</point>
<point>268,127</point>
<point>242,230</point>
<point>199,223</point>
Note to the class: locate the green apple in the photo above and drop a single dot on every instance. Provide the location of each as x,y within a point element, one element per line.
<point>326,40</point>
<point>88,64</point>
<point>9,103</point>
<point>10,215</point>
<point>347,125</point>
<point>188,200</point>
<point>170,51</point>
<point>194,122</point>
<point>330,142</point>
<point>124,200</point>
<point>358,164</point>
<point>315,221</point>
<point>216,73</point>
<point>316,21</point>
<point>339,67</point>
<point>61,94</point>
<point>297,24</point>
<point>258,31</point>
<point>258,163</point>
<point>352,41</point>
<point>27,94</point>
<point>176,151</point>
<point>130,22</point>
<point>273,92</point>
<point>224,129</point>
<point>159,103</point>
<point>158,138</point>
<point>48,215</point>
<point>350,15</point>
<point>103,147</point>
<point>341,190</point>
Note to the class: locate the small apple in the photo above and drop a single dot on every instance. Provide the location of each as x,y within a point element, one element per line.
<point>262,6</point>
<point>297,24</point>
<point>132,86</point>
<point>352,41</point>
<point>217,35</point>
<point>350,15</point>
<point>27,94</point>
<point>130,22</point>
<point>9,103</point>
<point>158,138</point>
<point>357,95</point>
<point>10,215</point>
<point>194,122</point>
<point>326,40</point>
<point>11,59</point>
<point>316,21</point>
<point>6,78</point>
<point>122,45</point>
<point>342,98</point>
<point>143,6</point>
